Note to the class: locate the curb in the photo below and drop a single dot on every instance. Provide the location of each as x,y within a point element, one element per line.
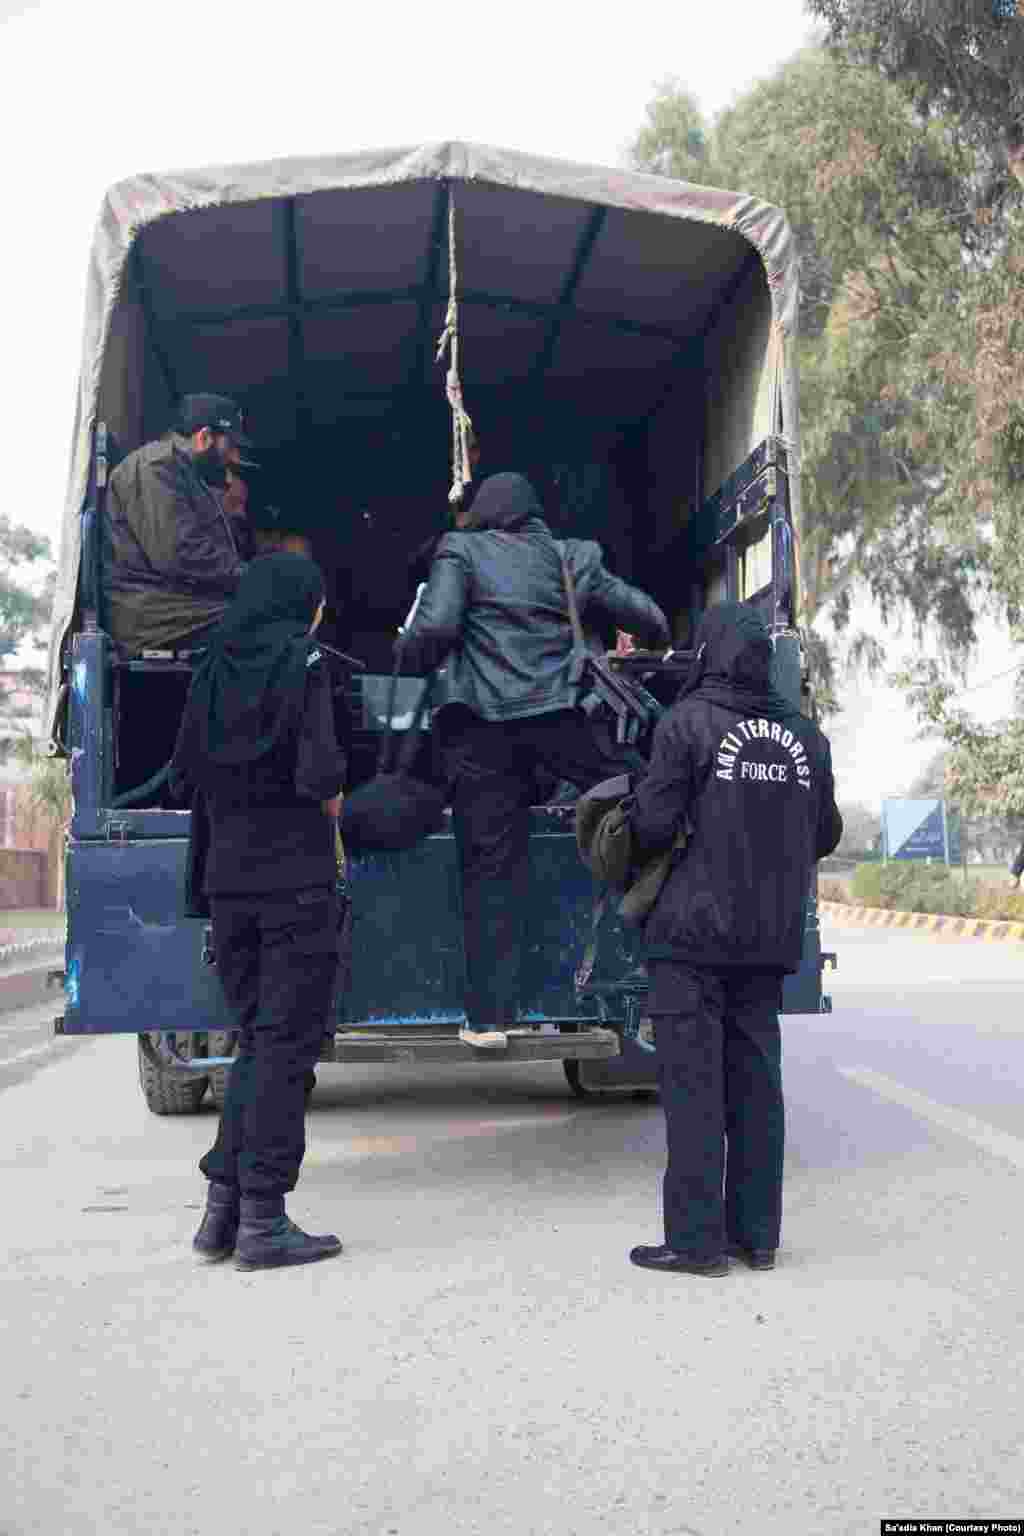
<point>924,922</point>
<point>28,987</point>
<point>31,947</point>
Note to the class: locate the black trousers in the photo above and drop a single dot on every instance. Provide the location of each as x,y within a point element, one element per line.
<point>719,1054</point>
<point>492,767</point>
<point>277,957</point>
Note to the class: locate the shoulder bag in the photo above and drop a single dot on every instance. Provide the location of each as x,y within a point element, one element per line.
<point>395,809</point>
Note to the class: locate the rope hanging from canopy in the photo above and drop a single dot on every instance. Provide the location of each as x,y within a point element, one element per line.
<point>462,426</point>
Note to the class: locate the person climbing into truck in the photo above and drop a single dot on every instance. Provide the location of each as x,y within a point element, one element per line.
<point>495,604</point>
<point>257,740</point>
<point>172,560</point>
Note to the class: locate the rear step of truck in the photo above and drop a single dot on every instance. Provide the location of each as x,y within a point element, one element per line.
<point>554,1040</point>
<point>442,1044</point>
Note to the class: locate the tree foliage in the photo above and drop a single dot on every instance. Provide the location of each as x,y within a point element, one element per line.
<point>674,138</point>
<point>983,765</point>
<point>960,59</point>
<point>21,609</point>
<point>911,321</point>
<point>862,830</point>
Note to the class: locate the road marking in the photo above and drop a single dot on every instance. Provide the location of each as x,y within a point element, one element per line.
<point>858,984</point>
<point>999,1143</point>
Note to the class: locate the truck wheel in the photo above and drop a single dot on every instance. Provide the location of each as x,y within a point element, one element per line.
<point>220,1044</point>
<point>168,1092</point>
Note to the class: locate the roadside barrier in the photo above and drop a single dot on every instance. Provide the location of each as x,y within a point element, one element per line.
<point>923,922</point>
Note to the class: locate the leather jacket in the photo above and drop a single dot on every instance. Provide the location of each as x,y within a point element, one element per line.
<point>495,608</point>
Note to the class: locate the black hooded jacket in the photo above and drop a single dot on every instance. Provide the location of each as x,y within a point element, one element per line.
<point>753,777</point>
<point>495,602</point>
<point>257,741</point>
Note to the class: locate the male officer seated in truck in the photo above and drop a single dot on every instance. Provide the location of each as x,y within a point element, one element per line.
<point>171,559</point>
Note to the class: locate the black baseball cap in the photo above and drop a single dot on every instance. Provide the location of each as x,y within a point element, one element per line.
<point>221,414</point>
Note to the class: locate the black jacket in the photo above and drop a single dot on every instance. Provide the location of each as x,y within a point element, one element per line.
<point>495,603</point>
<point>260,827</point>
<point>754,779</point>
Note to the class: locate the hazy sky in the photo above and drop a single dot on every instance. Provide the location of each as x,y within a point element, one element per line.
<point>92,92</point>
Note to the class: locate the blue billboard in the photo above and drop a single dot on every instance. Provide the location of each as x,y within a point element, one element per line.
<point>915,829</point>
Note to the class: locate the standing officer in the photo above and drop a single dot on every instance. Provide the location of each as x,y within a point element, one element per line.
<point>753,777</point>
<point>257,741</point>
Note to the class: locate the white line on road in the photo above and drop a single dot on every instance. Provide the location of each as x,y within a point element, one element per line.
<point>856,983</point>
<point>1000,1143</point>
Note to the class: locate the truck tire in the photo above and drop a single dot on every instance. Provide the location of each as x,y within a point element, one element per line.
<point>167,1092</point>
<point>219,1044</point>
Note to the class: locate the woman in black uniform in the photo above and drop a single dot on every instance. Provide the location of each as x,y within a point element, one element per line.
<point>257,742</point>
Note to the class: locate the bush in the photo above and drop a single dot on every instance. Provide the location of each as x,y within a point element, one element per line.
<point>911,887</point>
<point>1001,904</point>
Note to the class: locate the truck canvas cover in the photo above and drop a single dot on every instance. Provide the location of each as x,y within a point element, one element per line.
<point>313,289</point>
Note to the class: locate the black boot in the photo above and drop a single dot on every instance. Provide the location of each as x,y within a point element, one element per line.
<point>755,1258</point>
<point>215,1238</point>
<point>268,1240</point>
<point>671,1262</point>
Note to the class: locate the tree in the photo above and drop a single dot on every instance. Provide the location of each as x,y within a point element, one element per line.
<point>989,832</point>
<point>674,139</point>
<point>21,610</point>
<point>49,789</point>
<point>881,207</point>
<point>978,419</point>
<point>962,60</point>
<point>862,829</point>
<point>961,64</point>
<point>931,782</point>
<point>984,765</point>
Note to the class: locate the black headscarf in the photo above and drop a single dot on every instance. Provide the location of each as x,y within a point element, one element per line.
<point>248,691</point>
<point>733,664</point>
<point>504,502</point>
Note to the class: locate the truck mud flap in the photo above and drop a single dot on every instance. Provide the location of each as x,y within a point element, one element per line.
<point>132,963</point>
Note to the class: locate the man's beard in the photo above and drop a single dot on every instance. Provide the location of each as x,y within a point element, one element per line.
<point>210,467</point>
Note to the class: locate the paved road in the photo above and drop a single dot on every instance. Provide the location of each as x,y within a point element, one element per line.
<point>27,1044</point>
<point>483,1359</point>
